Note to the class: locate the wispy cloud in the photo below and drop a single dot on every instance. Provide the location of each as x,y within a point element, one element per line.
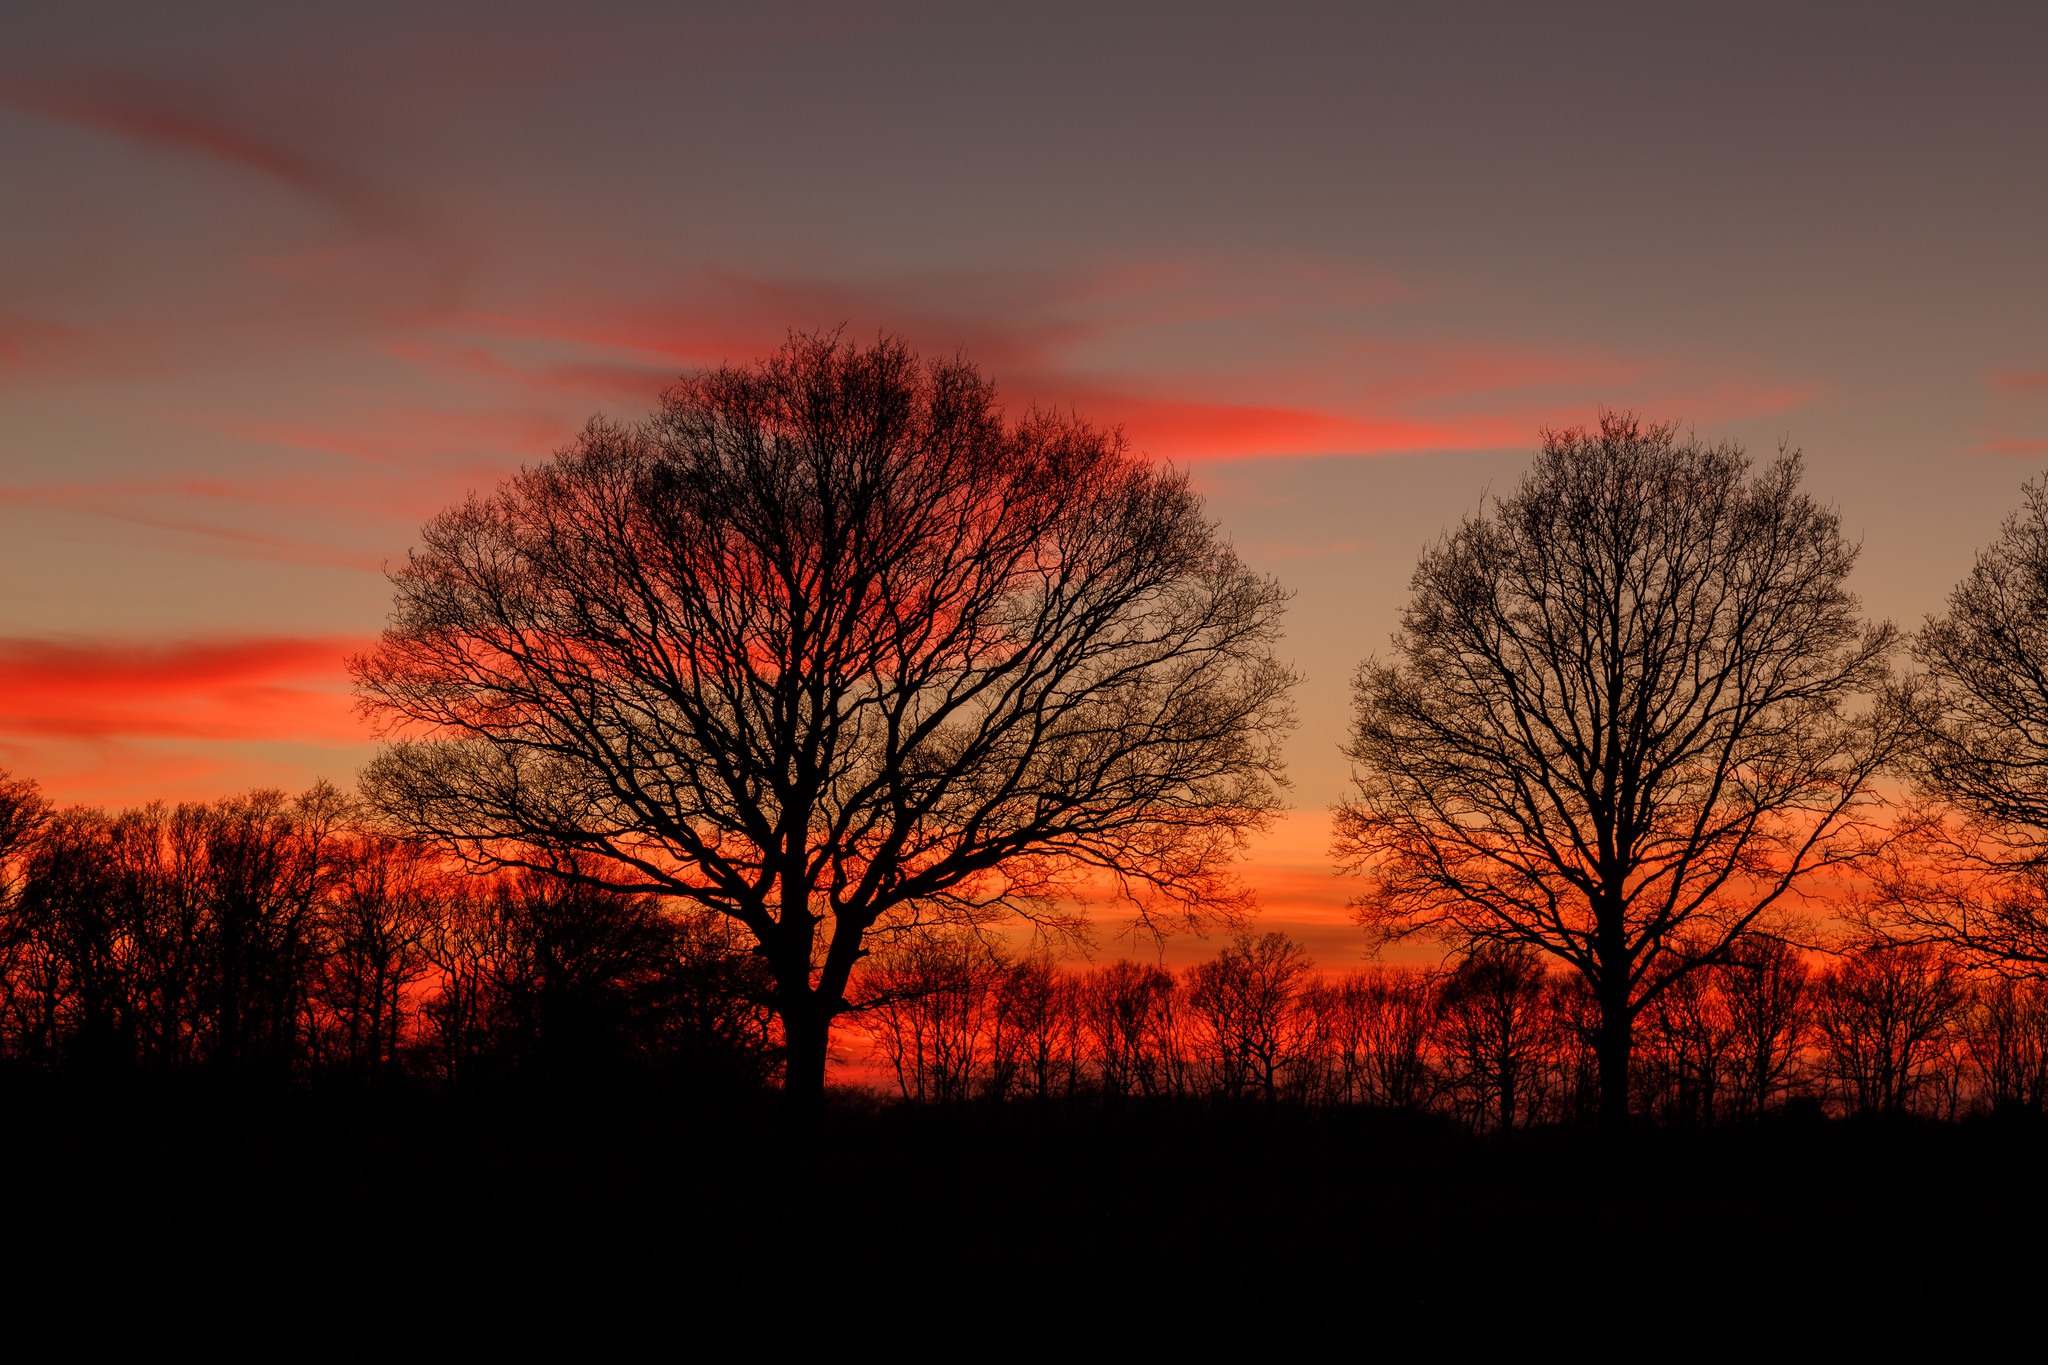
<point>207,689</point>
<point>1195,363</point>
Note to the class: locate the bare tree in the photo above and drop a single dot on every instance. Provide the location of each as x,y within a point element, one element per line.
<point>2008,1043</point>
<point>384,896</point>
<point>1246,998</point>
<point>1763,985</point>
<point>1616,726</point>
<point>1389,1014</point>
<point>1886,1015</point>
<point>929,1002</point>
<point>1973,872</point>
<point>22,813</point>
<point>1496,1030</point>
<point>1692,1034</point>
<point>1041,1010</point>
<point>828,641</point>
<point>1123,1007</point>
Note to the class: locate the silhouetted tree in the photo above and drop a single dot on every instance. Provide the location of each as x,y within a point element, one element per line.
<point>384,895</point>
<point>158,859</point>
<point>1614,729</point>
<point>826,642</point>
<point>1762,983</point>
<point>1884,1016</point>
<point>1388,1017</point>
<point>268,863</point>
<point>1122,1007</point>
<point>2008,1043</point>
<point>1247,999</point>
<point>1497,1032</point>
<point>930,1003</point>
<point>1691,1037</point>
<point>1041,1007</point>
<point>22,812</point>
<point>1974,872</point>
<point>71,916</point>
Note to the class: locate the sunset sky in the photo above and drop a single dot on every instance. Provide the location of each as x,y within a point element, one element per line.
<point>275,286</point>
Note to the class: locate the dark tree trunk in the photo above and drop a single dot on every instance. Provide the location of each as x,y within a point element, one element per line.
<point>807,1033</point>
<point>1613,1046</point>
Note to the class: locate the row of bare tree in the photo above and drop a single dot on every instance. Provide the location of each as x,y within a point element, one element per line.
<point>263,937</point>
<point>1497,1040</point>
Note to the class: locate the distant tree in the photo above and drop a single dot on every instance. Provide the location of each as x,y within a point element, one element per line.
<point>22,813</point>
<point>384,894</point>
<point>1691,1036</point>
<point>929,1004</point>
<point>269,862</point>
<point>1617,726</point>
<point>1497,1031</point>
<point>1389,1015</point>
<point>85,1018</point>
<point>1122,1008</point>
<point>162,886</point>
<point>829,642</point>
<point>1041,1009</point>
<point>2008,1043</point>
<point>1246,998</point>
<point>1763,985</point>
<point>1885,1016</point>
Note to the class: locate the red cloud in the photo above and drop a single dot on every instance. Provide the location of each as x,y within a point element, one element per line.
<point>2020,381</point>
<point>248,689</point>
<point>1053,339</point>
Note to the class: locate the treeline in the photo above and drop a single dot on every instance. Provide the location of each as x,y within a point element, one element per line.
<point>1495,1040</point>
<point>265,939</point>
<point>270,940</point>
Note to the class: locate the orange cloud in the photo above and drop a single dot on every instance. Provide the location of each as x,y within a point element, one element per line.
<point>246,689</point>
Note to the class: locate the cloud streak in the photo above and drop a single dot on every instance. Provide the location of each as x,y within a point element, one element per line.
<point>258,688</point>
<point>1177,356</point>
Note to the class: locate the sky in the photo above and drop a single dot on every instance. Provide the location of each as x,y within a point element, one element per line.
<point>279,282</point>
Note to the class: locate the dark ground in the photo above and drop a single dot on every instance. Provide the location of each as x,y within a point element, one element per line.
<point>358,1218</point>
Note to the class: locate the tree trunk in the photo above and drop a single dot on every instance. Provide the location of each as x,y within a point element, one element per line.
<point>806,1034</point>
<point>1613,1045</point>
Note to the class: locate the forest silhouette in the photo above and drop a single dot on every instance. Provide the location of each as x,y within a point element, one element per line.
<point>746,771</point>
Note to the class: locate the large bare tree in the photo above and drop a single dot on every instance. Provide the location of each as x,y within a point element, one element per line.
<point>1973,871</point>
<point>1619,724</point>
<point>828,642</point>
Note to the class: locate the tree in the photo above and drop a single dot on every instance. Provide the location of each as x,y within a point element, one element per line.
<point>829,641</point>
<point>1617,727</point>
<point>1247,998</point>
<point>1386,1021</point>
<point>1497,1031</point>
<point>22,813</point>
<point>369,928</point>
<point>1973,872</point>
<point>1885,1014</point>
<point>1763,986</point>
